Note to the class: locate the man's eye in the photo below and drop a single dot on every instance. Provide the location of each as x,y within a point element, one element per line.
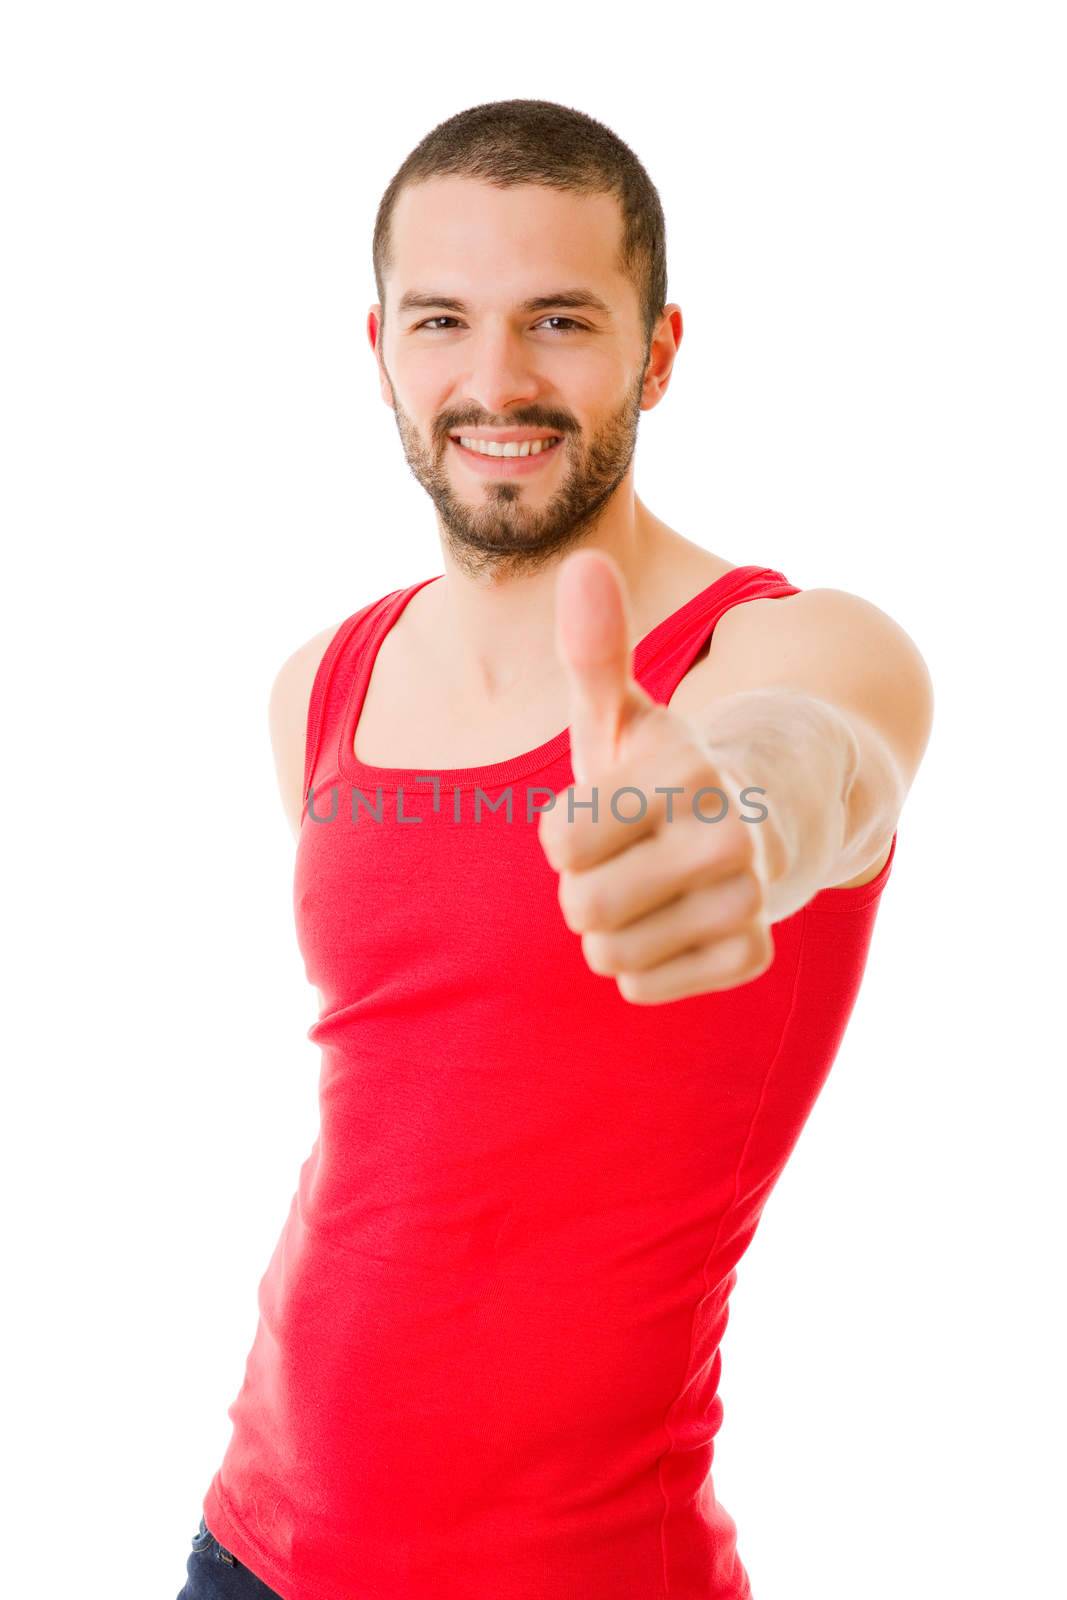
<point>572,326</point>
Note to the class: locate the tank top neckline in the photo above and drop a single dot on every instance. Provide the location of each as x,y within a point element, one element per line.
<point>366,775</point>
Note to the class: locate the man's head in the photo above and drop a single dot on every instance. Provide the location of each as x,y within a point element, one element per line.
<point>519,258</point>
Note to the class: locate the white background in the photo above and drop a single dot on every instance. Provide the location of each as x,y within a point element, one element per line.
<point>865,233</point>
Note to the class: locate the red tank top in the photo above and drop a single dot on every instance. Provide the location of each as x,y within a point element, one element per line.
<point>487,1359</point>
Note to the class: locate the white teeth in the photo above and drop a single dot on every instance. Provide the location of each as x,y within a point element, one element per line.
<point>490,447</point>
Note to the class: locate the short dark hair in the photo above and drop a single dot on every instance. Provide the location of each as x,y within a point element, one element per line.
<point>506,142</point>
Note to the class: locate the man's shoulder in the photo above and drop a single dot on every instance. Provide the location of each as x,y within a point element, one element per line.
<point>813,639</point>
<point>291,690</point>
<point>818,619</point>
<point>290,699</point>
<point>296,675</point>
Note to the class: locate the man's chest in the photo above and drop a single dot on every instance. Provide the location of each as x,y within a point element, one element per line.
<point>412,717</point>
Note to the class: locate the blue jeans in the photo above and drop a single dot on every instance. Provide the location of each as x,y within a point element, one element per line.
<point>214,1573</point>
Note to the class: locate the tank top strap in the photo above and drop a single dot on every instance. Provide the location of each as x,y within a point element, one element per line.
<point>664,656</point>
<point>335,674</point>
<point>660,660</point>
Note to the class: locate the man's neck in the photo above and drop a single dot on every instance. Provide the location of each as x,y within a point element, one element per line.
<point>498,633</point>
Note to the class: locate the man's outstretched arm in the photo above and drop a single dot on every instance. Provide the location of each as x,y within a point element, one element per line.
<point>824,702</point>
<point>821,703</point>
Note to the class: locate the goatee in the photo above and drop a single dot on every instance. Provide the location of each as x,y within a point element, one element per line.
<point>500,532</point>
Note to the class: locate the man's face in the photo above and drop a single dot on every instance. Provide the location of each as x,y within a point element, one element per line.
<point>471,356</point>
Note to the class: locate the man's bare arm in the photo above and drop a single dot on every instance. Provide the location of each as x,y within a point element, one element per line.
<point>820,692</point>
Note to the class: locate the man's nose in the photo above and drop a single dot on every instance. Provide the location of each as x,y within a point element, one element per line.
<point>502,372</point>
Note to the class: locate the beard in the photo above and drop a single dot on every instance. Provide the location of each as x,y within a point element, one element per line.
<point>498,531</point>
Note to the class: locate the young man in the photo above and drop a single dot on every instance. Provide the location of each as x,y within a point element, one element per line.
<point>587,894</point>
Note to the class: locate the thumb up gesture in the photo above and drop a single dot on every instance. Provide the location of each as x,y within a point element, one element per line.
<point>668,901</point>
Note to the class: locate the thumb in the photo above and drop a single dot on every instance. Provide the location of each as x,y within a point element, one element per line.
<point>593,641</point>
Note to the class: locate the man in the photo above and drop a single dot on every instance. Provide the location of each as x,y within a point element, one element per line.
<point>587,919</point>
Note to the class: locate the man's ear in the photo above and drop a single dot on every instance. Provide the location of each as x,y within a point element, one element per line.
<point>663,349</point>
<point>375,323</point>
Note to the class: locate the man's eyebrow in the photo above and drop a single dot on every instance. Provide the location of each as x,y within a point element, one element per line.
<point>572,299</point>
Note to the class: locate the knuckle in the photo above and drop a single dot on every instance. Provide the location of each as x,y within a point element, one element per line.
<point>562,852</point>
<point>557,838</point>
<point>732,955</point>
<point>569,897</point>
<point>764,950</point>
<point>599,953</point>
<point>592,908</point>
<point>633,986</point>
<point>588,901</point>
<point>548,836</point>
<point>751,953</point>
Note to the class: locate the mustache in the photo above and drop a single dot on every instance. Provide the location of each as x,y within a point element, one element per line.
<point>550,421</point>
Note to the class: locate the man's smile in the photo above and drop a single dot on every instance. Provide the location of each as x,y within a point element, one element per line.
<point>503,457</point>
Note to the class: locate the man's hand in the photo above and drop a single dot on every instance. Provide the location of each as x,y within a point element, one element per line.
<point>671,902</point>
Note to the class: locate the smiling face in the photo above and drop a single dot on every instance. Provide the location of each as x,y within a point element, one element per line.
<point>506,316</point>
